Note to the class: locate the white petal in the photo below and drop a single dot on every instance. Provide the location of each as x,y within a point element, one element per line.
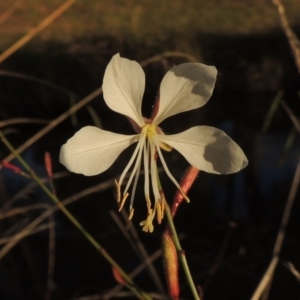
<point>185,87</point>
<point>208,149</point>
<point>123,87</point>
<point>91,150</point>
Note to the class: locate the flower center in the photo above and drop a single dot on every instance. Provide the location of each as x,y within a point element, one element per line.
<point>150,131</point>
<point>146,154</point>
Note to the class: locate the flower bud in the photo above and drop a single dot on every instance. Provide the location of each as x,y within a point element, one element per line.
<point>171,264</point>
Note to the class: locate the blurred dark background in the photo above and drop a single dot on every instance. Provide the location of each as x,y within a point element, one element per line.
<point>231,224</point>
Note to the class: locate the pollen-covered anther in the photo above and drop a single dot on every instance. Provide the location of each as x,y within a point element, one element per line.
<point>131,214</point>
<point>163,200</point>
<point>159,212</point>
<point>165,147</point>
<point>162,145</point>
<point>123,201</point>
<point>118,190</point>
<point>163,204</point>
<point>147,224</point>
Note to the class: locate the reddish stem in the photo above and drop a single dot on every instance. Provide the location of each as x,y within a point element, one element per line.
<point>9,166</point>
<point>48,164</point>
<point>117,275</point>
<point>186,183</point>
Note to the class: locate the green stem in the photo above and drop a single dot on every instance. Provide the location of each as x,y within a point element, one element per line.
<point>181,254</point>
<point>130,284</point>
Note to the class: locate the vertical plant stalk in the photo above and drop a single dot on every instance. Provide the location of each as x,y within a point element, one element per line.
<point>129,283</point>
<point>186,183</point>
<point>169,256</point>
<point>181,254</point>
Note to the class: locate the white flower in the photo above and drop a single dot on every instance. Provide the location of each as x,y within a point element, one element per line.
<point>187,86</point>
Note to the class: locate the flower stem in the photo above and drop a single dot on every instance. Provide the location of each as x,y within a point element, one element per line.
<point>181,254</point>
<point>129,283</point>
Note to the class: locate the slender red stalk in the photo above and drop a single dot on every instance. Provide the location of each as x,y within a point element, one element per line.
<point>118,276</point>
<point>9,166</point>
<point>186,183</point>
<point>48,164</point>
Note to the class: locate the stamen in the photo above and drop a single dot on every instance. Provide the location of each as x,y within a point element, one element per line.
<point>137,163</point>
<point>163,203</point>
<point>118,189</point>
<point>159,212</point>
<point>131,214</point>
<point>154,173</point>
<point>168,172</point>
<point>147,224</point>
<point>146,169</point>
<point>165,147</point>
<point>148,202</point>
<point>123,201</point>
<point>135,153</point>
<point>137,174</point>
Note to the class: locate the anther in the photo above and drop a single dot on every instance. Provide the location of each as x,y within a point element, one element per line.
<point>158,212</point>
<point>131,214</point>
<point>123,201</point>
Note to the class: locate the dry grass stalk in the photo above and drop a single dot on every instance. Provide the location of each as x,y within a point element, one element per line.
<point>9,12</point>
<point>25,39</point>
<point>291,36</point>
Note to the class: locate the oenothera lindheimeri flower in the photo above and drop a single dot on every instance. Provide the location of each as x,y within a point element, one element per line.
<point>187,86</point>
